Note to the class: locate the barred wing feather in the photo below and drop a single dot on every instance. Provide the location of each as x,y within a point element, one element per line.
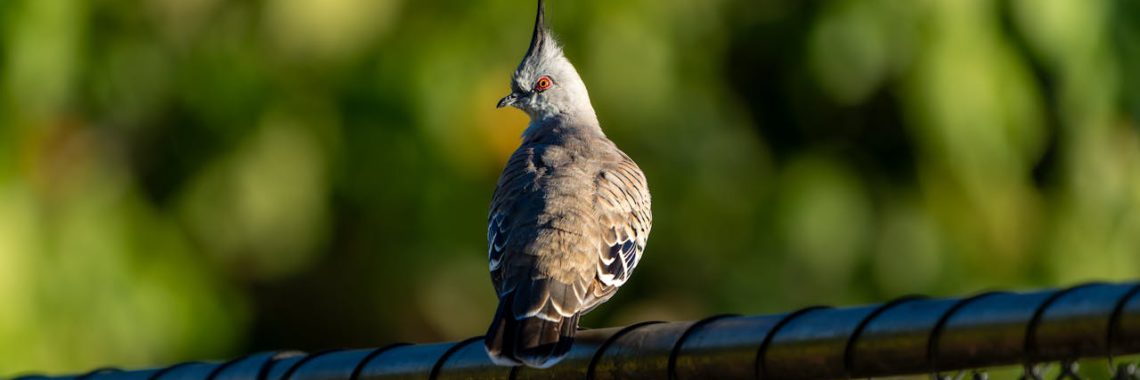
<point>623,204</point>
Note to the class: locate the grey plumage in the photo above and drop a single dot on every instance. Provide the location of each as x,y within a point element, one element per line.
<point>569,217</point>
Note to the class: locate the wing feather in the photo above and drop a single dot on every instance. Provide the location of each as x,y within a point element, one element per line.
<point>513,191</point>
<point>623,203</point>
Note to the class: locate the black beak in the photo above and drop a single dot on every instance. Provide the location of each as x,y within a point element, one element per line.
<point>508,100</point>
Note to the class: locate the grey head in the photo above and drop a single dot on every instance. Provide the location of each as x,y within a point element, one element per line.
<point>546,85</point>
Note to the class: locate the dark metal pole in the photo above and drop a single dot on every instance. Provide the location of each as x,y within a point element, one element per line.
<point>907,336</point>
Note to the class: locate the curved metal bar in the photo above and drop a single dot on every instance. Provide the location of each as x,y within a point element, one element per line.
<point>671,367</point>
<point>1127,336</point>
<point>305,360</point>
<point>898,339</point>
<point>97,371</point>
<point>367,358</point>
<point>181,366</point>
<point>1077,323</point>
<point>1030,347</point>
<point>642,353</point>
<point>849,348</point>
<point>759,364</point>
<point>331,365</point>
<point>162,372</point>
<point>469,361</point>
<point>724,348</point>
<point>414,361</point>
<point>1114,320</point>
<point>591,370</point>
<point>248,367</point>
<point>267,367</point>
<point>989,331</point>
<point>434,374</point>
<point>905,336</point>
<point>224,366</point>
<point>936,333</point>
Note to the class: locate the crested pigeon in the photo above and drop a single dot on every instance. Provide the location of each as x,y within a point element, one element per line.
<point>569,217</point>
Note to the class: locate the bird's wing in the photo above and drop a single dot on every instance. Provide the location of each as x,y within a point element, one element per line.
<point>527,251</point>
<point>513,191</point>
<point>623,205</point>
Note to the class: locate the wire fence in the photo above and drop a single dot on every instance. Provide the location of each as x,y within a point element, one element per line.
<point>911,335</point>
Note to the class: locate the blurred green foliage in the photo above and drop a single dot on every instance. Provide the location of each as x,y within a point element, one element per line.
<point>193,179</point>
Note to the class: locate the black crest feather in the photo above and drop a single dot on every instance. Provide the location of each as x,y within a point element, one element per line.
<point>539,36</point>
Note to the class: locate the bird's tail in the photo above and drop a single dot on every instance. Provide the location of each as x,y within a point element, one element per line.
<point>532,341</point>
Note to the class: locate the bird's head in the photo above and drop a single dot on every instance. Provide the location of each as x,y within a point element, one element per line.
<point>545,83</point>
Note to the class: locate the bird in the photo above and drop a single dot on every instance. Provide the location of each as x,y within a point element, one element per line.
<point>570,214</point>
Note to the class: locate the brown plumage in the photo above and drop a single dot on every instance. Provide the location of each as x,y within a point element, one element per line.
<point>569,218</point>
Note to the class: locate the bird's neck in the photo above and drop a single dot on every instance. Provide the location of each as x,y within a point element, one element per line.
<point>559,126</point>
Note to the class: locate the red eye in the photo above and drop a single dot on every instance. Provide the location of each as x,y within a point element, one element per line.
<point>543,84</point>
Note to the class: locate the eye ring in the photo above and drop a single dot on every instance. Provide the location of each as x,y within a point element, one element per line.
<point>543,83</point>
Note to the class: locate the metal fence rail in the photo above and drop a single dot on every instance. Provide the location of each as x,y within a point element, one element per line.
<point>907,336</point>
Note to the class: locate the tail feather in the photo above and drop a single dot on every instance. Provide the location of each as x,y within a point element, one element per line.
<point>532,341</point>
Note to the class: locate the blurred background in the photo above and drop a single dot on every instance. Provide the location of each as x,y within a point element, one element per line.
<point>197,179</point>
